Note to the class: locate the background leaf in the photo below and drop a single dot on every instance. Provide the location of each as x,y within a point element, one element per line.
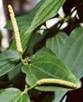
<point>41,13</point>
<point>72,52</point>
<point>56,43</point>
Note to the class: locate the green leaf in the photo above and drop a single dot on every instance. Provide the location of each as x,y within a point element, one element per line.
<point>8,95</point>
<point>72,52</point>
<point>41,13</point>
<point>23,98</point>
<point>45,65</point>
<point>48,9</point>
<point>55,43</point>
<point>13,95</point>
<point>8,61</point>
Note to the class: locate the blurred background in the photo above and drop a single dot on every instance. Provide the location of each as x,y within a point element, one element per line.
<point>21,7</point>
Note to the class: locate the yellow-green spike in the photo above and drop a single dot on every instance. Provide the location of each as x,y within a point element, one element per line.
<point>16,30</point>
<point>58,82</point>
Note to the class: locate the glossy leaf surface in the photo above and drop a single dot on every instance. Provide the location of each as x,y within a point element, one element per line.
<point>44,64</point>
<point>71,51</point>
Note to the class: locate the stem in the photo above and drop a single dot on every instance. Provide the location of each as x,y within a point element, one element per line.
<point>25,90</point>
<point>28,89</point>
<point>32,87</point>
<point>16,30</point>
